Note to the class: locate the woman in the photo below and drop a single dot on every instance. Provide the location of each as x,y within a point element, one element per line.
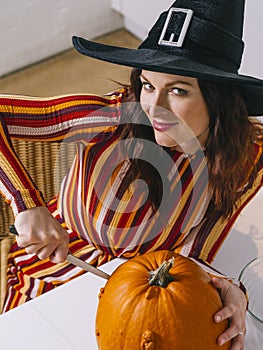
<point>171,172</point>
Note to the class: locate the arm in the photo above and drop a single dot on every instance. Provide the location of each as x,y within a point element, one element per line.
<point>48,119</point>
<point>202,244</point>
<point>233,293</point>
<point>16,184</point>
<point>57,118</point>
<point>32,218</point>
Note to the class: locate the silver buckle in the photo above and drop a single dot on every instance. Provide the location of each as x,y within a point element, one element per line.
<point>180,40</point>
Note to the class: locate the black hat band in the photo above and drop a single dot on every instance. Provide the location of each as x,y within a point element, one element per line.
<point>200,31</point>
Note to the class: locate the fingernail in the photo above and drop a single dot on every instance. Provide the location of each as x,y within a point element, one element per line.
<point>222,341</point>
<point>218,318</point>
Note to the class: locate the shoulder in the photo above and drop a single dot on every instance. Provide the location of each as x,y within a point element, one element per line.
<point>117,96</point>
<point>258,126</point>
<point>258,143</point>
<point>23,103</point>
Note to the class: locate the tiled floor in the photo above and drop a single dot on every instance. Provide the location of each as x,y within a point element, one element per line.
<point>71,72</point>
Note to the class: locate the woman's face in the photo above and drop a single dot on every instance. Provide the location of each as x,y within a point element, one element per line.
<point>176,109</point>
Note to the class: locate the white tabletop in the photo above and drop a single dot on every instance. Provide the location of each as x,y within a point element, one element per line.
<point>64,318</point>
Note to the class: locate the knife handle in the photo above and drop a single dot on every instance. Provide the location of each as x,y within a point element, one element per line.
<point>73,260</point>
<point>13,230</point>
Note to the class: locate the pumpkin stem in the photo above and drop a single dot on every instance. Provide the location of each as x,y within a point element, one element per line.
<point>161,277</point>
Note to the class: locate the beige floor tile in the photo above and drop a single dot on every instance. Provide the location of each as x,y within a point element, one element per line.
<point>71,72</point>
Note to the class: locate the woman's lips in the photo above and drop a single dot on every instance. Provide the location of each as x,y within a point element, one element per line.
<point>161,126</point>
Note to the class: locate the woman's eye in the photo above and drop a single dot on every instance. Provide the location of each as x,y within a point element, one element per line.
<point>178,91</point>
<point>147,86</point>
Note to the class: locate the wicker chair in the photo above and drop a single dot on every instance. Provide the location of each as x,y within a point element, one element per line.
<point>47,169</point>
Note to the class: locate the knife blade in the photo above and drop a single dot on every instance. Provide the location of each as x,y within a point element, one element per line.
<point>75,261</point>
<point>86,266</point>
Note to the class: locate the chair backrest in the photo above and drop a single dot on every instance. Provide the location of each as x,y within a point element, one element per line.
<point>47,163</point>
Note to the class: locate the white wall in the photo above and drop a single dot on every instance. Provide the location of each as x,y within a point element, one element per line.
<point>253,30</point>
<point>31,30</point>
<point>140,16</point>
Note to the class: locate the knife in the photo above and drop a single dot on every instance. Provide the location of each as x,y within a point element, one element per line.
<point>75,261</point>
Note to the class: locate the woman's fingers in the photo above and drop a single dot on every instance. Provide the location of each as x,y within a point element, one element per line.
<point>232,333</point>
<point>225,313</point>
<point>59,255</point>
<point>56,254</point>
<point>41,234</point>
<point>234,310</point>
<point>238,343</point>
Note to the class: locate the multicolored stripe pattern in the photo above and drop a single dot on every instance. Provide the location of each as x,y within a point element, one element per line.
<point>63,118</point>
<point>104,219</point>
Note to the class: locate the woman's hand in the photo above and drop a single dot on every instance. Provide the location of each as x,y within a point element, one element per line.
<point>234,309</point>
<point>40,233</point>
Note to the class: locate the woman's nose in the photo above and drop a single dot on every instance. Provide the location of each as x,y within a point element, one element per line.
<point>160,100</point>
<point>160,112</point>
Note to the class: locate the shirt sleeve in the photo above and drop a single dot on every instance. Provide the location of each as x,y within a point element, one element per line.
<point>16,186</point>
<point>61,118</point>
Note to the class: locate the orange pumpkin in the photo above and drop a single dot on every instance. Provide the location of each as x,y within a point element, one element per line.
<point>159,301</point>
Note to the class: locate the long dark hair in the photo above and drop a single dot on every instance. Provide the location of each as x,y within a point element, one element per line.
<point>230,147</point>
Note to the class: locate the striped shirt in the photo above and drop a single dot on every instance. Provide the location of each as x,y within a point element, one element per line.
<point>104,219</point>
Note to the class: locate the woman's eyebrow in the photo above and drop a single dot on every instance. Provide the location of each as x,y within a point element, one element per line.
<point>173,82</point>
<point>143,77</point>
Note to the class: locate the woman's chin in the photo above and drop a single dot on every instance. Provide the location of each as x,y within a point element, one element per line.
<point>165,141</point>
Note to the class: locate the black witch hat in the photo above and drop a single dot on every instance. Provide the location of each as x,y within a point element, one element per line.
<point>197,38</point>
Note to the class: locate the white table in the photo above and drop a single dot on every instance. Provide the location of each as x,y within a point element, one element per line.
<point>65,317</point>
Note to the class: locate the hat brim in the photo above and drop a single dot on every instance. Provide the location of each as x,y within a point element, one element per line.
<point>153,60</point>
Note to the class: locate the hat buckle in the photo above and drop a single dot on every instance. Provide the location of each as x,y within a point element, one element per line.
<point>171,41</point>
